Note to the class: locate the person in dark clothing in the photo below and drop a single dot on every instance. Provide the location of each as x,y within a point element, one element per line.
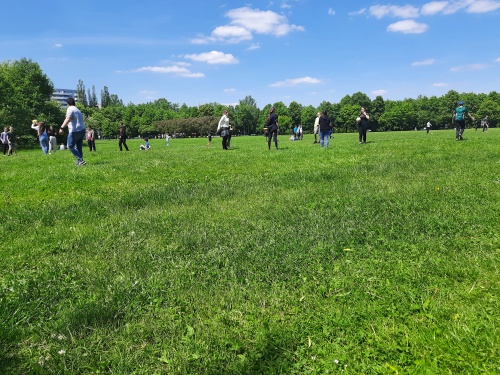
<point>362,124</point>
<point>325,128</point>
<point>123,137</point>
<point>272,128</point>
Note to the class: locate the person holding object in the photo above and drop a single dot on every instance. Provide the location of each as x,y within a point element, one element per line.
<point>76,128</point>
<point>459,120</point>
<point>42,135</point>
<point>362,121</point>
<point>223,128</point>
<point>272,128</point>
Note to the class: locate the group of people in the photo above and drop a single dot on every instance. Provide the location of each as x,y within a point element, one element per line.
<point>8,138</point>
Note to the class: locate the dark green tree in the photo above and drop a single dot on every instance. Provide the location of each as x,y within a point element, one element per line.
<point>81,96</point>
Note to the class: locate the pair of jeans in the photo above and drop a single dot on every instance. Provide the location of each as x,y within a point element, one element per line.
<point>75,140</point>
<point>44,142</point>
<point>324,136</point>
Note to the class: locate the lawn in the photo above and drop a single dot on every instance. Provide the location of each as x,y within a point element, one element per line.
<point>379,258</point>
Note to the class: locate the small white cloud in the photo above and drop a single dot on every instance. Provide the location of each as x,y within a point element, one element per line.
<point>231,34</point>
<point>229,90</point>
<point>434,7</point>
<point>497,60</point>
<point>253,46</point>
<point>379,92</point>
<point>408,27</point>
<point>58,45</point>
<point>423,62</point>
<point>358,12</point>
<point>483,6</point>
<point>405,11</point>
<point>470,67</point>
<point>331,12</point>
<point>174,69</point>
<point>213,57</point>
<point>440,84</point>
<point>296,81</point>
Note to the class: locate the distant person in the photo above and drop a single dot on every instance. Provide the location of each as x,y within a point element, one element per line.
<point>299,132</point>
<point>459,120</point>
<point>167,139</point>
<point>5,141</point>
<point>362,121</point>
<point>272,128</point>
<point>12,141</point>
<point>91,138</point>
<point>428,127</point>
<point>223,129</point>
<point>122,137</point>
<point>146,146</point>
<point>484,124</point>
<point>41,132</point>
<point>209,136</point>
<point>52,139</point>
<point>325,128</point>
<point>229,136</point>
<point>76,128</point>
<point>316,127</point>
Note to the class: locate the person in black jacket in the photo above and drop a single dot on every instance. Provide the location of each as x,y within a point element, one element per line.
<point>123,137</point>
<point>362,124</point>
<point>325,128</point>
<point>272,128</point>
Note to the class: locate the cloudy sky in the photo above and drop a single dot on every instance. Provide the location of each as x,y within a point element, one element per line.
<point>204,51</point>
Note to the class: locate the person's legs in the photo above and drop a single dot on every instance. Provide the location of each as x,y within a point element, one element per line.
<point>360,132</point>
<point>276,138</point>
<point>120,141</point>
<point>365,129</point>
<point>125,144</point>
<point>224,142</point>
<point>75,144</point>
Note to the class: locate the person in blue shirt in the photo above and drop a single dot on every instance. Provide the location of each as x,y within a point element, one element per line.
<point>146,145</point>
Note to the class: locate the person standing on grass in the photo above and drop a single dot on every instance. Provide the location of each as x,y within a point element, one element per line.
<point>5,141</point>
<point>316,127</point>
<point>362,124</point>
<point>11,140</point>
<point>91,138</point>
<point>43,137</point>
<point>229,136</point>
<point>325,128</point>
<point>167,139</point>
<point>459,120</point>
<point>122,137</point>
<point>52,139</point>
<point>223,128</point>
<point>209,139</point>
<point>428,127</point>
<point>272,128</point>
<point>76,130</point>
<point>484,124</point>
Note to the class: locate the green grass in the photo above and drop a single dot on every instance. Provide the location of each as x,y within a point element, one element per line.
<point>379,258</point>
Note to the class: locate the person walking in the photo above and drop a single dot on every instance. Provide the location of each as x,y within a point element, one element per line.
<point>325,128</point>
<point>11,139</point>
<point>484,124</point>
<point>316,127</point>
<point>167,139</point>
<point>428,127</point>
<point>223,128</point>
<point>362,121</point>
<point>122,137</point>
<point>76,130</point>
<point>272,128</point>
<point>209,136</point>
<point>91,138</point>
<point>5,141</point>
<point>459,120</point>
<point>43,138</point>
<point>52,139</point>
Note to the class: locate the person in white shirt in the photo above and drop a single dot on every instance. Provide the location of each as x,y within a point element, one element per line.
<point>223,128</point>
<point>316,127</point>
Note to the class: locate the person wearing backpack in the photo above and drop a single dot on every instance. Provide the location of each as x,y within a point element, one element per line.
<point>459,120</point>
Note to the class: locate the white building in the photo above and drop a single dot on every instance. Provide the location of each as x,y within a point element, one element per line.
<point>60,95</point>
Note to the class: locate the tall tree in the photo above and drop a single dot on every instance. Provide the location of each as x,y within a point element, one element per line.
<point>105,97</point>
<point>93,98</point>
<point>81,95</point>
<point>295,113</point>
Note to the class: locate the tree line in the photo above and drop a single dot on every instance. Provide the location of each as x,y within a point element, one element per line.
<point>25,93</point>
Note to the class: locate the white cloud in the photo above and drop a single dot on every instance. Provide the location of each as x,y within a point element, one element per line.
<point>213,57</point>
<point>331,12</point>
<point>497,60</point>
<point>440,84</point>
<point>423,62</point>
<point>173,69</point>
<point>231,34</point>
<point>469,67</point>
<point>408,27</point>
<point>406,11</point>
<point>379,92</point>
<point>483,6</point>
<point>434,7</point>
<point>229,90</point>
<point>261,22</point>
<point>296,81</point>
<point>58,45</point>
<point>358,12</point>
<point>253,46</point>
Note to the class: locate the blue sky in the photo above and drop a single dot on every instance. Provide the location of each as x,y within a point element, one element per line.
<point>204,51</point>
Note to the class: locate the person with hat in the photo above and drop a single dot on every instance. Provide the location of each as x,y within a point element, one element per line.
<point>459,120</point>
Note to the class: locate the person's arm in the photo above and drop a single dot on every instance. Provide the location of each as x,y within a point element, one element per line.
<point>471,117</point>
<point>65,123</point>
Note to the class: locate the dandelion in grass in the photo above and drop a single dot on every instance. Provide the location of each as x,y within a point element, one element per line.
<point>62,352</point>
<point>61,337</point>
<point>336,361</point>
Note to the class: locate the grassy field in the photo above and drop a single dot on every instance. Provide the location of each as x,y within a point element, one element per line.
<point>381,258</point>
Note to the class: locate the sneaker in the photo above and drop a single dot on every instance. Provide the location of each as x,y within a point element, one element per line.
<point>460,137</point>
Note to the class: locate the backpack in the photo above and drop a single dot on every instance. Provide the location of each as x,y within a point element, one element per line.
<point>459,113</point>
